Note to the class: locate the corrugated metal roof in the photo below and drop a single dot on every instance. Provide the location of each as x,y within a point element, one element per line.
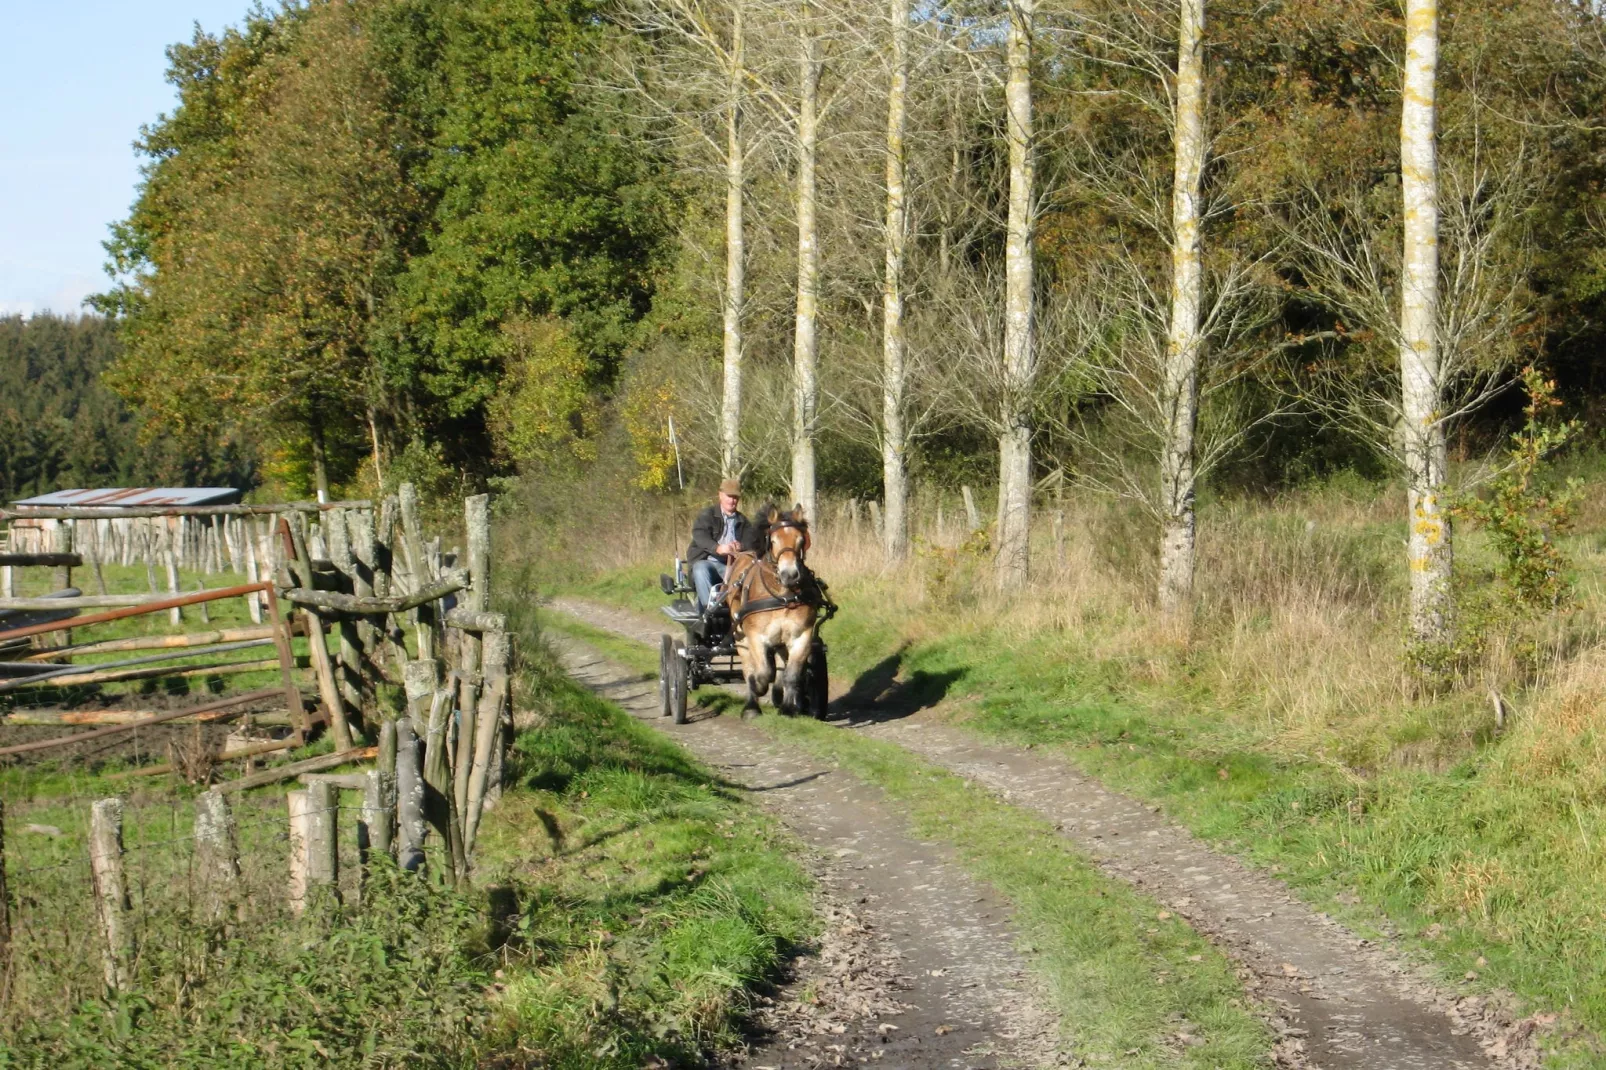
<point>112,497</point>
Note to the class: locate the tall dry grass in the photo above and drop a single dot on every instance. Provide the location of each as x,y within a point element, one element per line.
<point>1297,637</point>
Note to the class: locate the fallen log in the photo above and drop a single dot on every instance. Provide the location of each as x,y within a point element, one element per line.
<point>226,756</point>
<point>295,769</point>
<point>365,606</point>
<point>221,710</point>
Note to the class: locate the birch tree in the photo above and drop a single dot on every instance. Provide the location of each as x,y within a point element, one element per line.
<point>1185,341</point>
<point>701,58</point>
<point>1020,355</point>
<point>805,343</point>
<point>1429,546</point>
<point>894,436</point>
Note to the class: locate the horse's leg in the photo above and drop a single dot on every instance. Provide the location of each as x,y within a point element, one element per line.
<point>797,656</point>
<point>751,671</point>
<point>775,684</point>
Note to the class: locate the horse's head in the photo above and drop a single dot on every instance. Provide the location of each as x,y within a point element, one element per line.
<point>787,536</point>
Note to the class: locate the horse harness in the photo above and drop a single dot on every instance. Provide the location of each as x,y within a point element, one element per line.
<point>811,591</point>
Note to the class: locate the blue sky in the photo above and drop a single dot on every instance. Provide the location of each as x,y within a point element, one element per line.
<point>78,78</point>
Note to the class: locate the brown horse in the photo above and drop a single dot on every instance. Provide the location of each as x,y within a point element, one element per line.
<point>774,602</point>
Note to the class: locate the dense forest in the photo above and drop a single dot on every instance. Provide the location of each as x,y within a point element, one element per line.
<point>854,249</point>
<point>64,428</point>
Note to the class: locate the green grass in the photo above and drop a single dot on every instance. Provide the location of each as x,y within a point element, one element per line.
<point>653,898</point>
<point>625,906</point>
<point>1127,983</point>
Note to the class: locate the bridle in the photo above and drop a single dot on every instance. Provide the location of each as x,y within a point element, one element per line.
<point>797,551</point>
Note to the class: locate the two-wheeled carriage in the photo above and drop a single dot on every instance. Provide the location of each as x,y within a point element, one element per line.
<point>707,653</point>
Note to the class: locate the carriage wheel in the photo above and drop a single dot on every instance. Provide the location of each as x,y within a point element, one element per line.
<point>666,650</point>
<point>679,683</point>
<point>817,684</point>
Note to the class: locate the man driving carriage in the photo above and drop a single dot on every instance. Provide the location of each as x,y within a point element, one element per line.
<point>718,534</point>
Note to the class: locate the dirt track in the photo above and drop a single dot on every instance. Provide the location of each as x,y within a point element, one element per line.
<point>919,967</point>
<point>1344,1003</point>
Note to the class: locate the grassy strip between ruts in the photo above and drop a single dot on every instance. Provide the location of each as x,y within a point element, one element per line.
<point>1134,986</point>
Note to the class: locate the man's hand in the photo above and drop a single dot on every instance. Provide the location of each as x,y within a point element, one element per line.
<point>729,549</point>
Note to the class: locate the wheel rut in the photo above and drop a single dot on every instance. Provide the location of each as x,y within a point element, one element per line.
<point>1341,1001</point>
<point>918,967</point>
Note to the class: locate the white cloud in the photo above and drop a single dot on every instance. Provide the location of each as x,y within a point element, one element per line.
<point>65,299</point>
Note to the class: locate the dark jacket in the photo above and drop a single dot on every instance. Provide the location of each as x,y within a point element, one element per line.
<point>708,527</point>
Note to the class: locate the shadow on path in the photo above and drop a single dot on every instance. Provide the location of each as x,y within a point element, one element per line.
<point>879,695</point>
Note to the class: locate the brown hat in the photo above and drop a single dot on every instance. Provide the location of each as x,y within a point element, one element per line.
<point>733,487</point>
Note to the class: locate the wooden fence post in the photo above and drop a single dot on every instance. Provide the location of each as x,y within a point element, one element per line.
<point>378,812</point>
<point>5,898</point>
<point>298,803</point>
<point>176,614</point>
<point>477,518</point>
<point>281,643</point>
<point>217,857</point>
<point>323,838</point>
<point>409,798</point>
<point>253,601</point>
<point>111,890</point>
<point>488,729</point>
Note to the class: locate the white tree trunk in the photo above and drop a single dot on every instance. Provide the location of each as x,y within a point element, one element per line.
<point>1020,355</point>
<point>894,435</point>
<point>1184,344</point>
<point>735,261</point>
<point>805,381</point>
<point>1429,541</point>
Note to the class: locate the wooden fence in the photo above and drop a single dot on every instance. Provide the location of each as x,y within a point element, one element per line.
<point>406,669</point>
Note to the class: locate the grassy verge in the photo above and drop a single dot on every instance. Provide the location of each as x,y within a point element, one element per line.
<point>625,905</point>
<point>1490,875</point>
<point>1134,986</point>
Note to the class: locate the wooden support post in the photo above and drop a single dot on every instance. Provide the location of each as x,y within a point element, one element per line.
<point>418,567</point>
<point>253,601</point>
<point>298,803</point>
<point>217,858</point>
<point>317,642</point>
<point>477,518</point>
<point>409,799</point>
<point>323,839</point>
<point>287,664</point>
<point>63,545</point>
<point>488,729</point>
<point>8,582</point>
<point>111,891</point>
<point>387,747</point>
<point>374,828</point>
<point>349,661</point>
<point>176,614</point>
<point>5,900</point>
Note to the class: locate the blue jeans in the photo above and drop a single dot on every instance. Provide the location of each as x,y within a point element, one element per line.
<point>706,572</point>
